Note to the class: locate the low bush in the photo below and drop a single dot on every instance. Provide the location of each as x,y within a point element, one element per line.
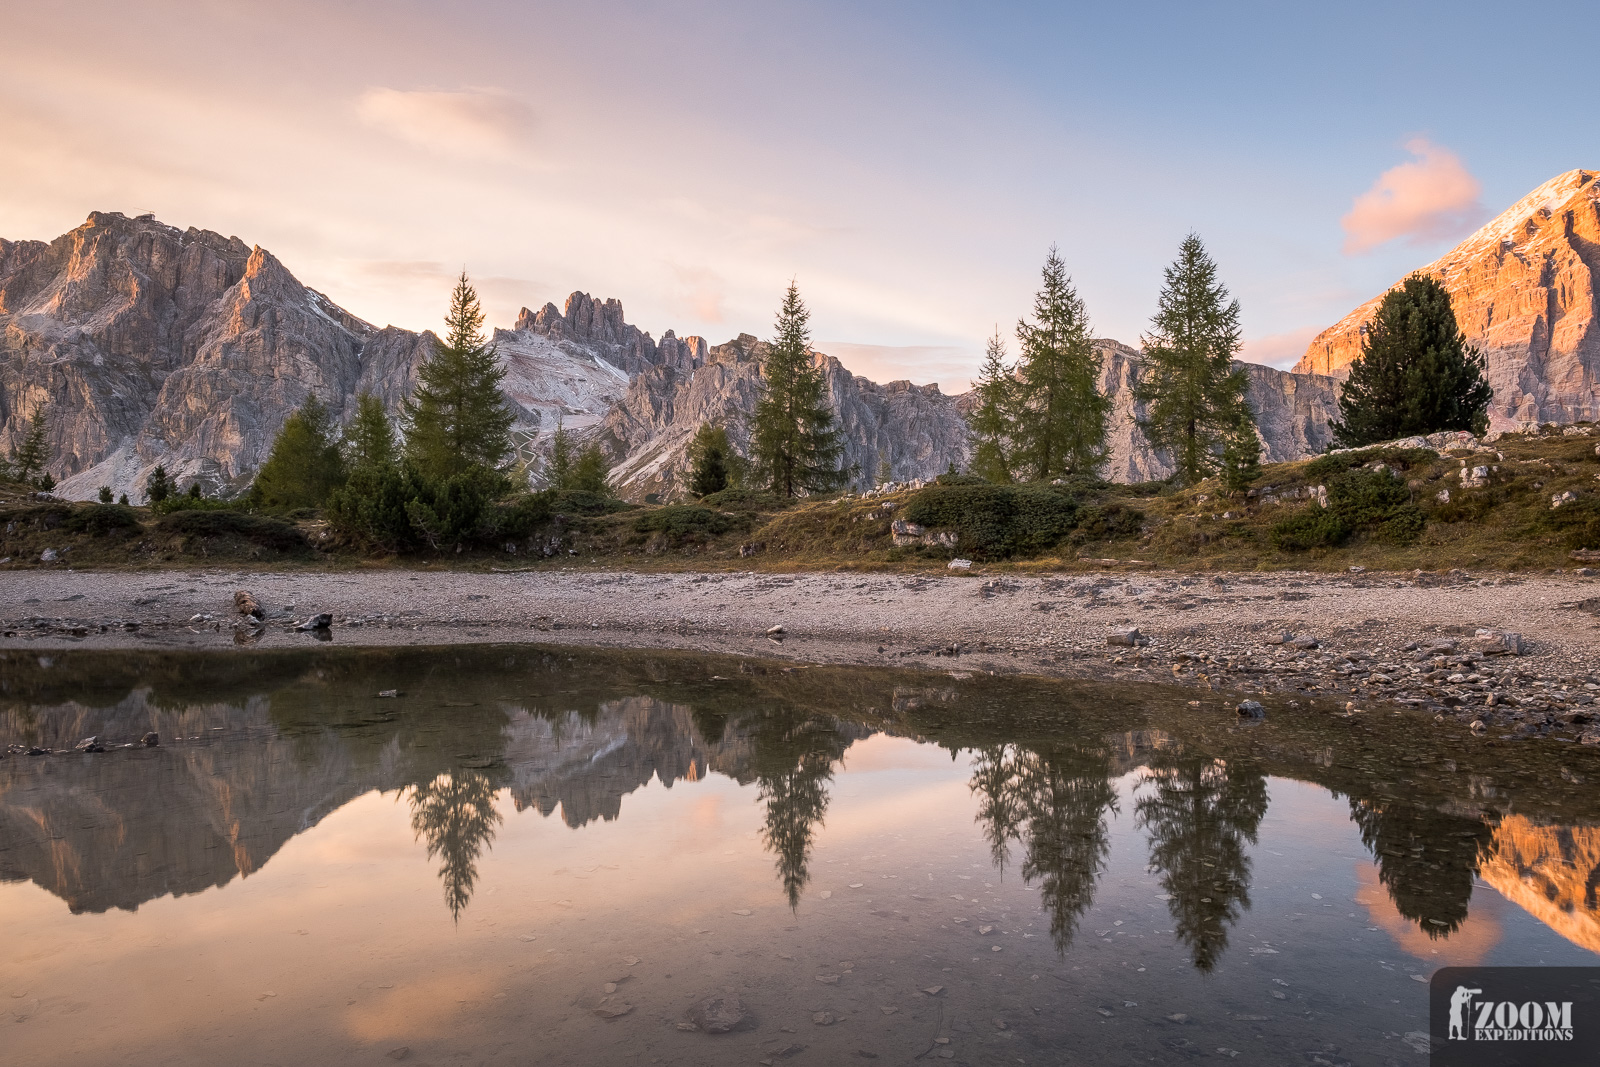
<point>681,524</point>
<point>1577,522</point>
<point>748,500</point>
<point>257,529</point>
<point>103,519</point>
<point>1108,522</point>
<point>583,502</point>
<point>997,521</point>
<point>1374,502</point>
<point>1324,468</point>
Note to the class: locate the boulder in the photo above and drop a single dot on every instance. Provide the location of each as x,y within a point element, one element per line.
<point>245,603</point>
<point>720,1014</point>
<point>1250,709</point>
<point>1129,637</point>
<point>1497,643</point>
<point>321,621</point>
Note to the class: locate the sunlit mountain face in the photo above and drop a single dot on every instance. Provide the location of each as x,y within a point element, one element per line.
<point>579,845</point>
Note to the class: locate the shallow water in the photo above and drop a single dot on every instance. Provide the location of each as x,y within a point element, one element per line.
<point>550,856</point>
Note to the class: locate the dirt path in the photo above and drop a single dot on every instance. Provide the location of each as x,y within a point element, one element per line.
<point>1214,631</point>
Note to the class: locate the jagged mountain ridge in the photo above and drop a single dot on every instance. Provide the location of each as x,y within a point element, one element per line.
<point>1524,290</point>
<point>153,345</point>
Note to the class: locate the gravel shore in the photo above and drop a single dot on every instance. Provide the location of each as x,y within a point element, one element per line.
<point>1364,638</point>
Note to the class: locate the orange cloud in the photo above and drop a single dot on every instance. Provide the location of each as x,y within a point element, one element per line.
<point>475,121</point>
<point>1431,198</point>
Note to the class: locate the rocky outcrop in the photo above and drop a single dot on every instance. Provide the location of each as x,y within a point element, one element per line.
<point>916,430</point>
<point>1524,292</point>
<point>152,345</point>
<point>599,330</point>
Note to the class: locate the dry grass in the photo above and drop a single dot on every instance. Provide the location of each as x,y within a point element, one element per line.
<point>1506,525</point>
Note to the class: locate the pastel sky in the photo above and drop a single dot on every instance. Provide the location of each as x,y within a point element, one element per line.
<point>909,164</point>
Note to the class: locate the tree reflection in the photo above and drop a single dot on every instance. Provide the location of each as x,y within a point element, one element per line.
<point>454,814</point>
<point>793,761</point>
<point>1427,859</point>
<point>1200,812</point>
<point>1052,801</point>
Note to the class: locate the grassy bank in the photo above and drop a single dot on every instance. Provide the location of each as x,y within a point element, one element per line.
<point>1382,509</point>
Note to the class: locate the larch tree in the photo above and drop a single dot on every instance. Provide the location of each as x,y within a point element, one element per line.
<point>1061,414</point>
<point>1415,374</point>
<point>29,461</point>
<point>305,464</point>
<point>456,420</point>
<point>1193,394</point>
<point>793,443</point>
<point>369,442</point>
<point>993,419</point>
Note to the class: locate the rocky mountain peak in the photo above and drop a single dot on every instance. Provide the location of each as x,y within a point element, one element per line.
<point>1524,290</point>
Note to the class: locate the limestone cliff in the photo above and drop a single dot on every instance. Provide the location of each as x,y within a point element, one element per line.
<point>1524,292</point>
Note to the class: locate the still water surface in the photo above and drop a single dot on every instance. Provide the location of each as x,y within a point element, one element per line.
<point>548,856</point>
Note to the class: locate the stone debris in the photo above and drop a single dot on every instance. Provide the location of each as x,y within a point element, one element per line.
<point>719,1014</point>
<point>321,621</point>
<point>245,603</point>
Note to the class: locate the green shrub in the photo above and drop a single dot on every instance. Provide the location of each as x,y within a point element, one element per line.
<point>1578,522</point>
<point>584,502</point>
<point>960,479</point>
<point>997,521</point>
<point>103,519</point>
<point>1324,468</point>
<point>1310,527</point>
<point>370,509</point>
<point>189,502</point>
<point>1373,502</point>
<point>680,523</point>
<point>1108,522</point>
<point>257,529</point>
<point>749,500</point>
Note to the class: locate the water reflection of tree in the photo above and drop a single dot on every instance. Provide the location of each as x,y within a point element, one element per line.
<point>1053,802</point>
<point>793,757</point>
<point>454,814</point>
<point>1427,859</point>
<point>1200,812</point>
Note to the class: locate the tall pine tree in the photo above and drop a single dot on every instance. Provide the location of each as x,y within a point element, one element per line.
<point>709,461</point>
<point>1061,416</point>
<point>793,443</point>
<point>993,418</point>
<point>1415,374</point>
<point>456,420</point>
<point>1194,396</point>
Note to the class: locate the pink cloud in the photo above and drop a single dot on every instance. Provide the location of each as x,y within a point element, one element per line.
<point>1430,198</point>
<point>1280,350</point>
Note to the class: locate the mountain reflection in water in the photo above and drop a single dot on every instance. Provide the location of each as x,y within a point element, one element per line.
<point>261,747</point>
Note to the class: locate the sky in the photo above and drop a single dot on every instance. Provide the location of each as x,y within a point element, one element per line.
<point>908,165</point>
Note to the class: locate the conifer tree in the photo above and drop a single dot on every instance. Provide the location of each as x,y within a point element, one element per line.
<point>793,443</point>
<point>105,494</point>
<point>158,486</point>
<point>1415,374</point>
<point>457,420</point>
<point>305,464</point>
<point>1061,415</point>
<point>709,461</point>
<point>30,460</point>
<point>558,473</point>
<point>993,420</point>
<point>589,470</point>
<point>1241,455</point>
<point>1194,396</point>
<point>369,443</point>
